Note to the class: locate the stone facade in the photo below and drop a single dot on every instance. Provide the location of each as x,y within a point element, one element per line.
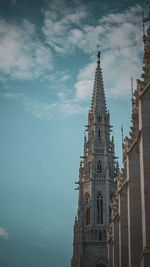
<point>96,185</point>
<point>128,235</point>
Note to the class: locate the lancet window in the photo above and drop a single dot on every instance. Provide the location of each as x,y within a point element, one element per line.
<point>88,216</point>
<point>99,134</point>
<point>99,166</point>
<point>100,235</point>
<point>99,208</point>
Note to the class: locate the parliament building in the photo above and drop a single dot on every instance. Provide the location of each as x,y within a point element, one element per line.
<point>112,226</point>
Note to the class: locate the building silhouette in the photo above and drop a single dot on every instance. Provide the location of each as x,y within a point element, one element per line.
<point>97,183</point>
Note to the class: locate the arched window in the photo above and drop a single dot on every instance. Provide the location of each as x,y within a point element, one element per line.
<point>99,166</point>
<point>99,208</point>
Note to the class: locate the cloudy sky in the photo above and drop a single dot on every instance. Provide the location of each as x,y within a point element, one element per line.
<point>47,64</point>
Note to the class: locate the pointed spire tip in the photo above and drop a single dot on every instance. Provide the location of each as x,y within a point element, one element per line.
<point>98,54</point>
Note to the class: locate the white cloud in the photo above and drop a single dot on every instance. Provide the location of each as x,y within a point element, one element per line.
<point>84,85</point>
<point>39,109</point>
<point>22,56</point>
<point>45,111</point>
<point>119,36</point>
<point>120,39</point>
<point>119,18</point>
<point>61,26</point>
<point>75,36</point>
<point>70,108</point>
<point>118,69</point>
<point>65,77</point>
<point>69,30</point>
<point>11,95</point>
<point>3,233</point>
<point>62,108</point>
<point>84,88</point>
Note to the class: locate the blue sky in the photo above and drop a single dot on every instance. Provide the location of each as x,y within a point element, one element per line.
<point>47,65</point>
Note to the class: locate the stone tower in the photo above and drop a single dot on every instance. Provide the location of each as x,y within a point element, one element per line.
<point>96,183</point>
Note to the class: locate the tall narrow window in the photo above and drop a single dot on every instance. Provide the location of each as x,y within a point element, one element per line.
<point>100,235</point>
<point>87,216</point>
<point>99,134</point>
<point>99,166</point>
<point>99,209</point>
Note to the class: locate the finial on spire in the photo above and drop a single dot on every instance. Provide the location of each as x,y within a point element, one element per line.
<point>132,90</point>
<point>98,54</point>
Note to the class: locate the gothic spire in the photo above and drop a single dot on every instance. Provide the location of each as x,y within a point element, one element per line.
<point>98,98</point>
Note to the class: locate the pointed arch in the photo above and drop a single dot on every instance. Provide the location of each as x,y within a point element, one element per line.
<point>101,262</point>
<point>99,203</point>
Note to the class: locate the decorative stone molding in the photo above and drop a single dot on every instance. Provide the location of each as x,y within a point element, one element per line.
<point>109,232</point>
<point>115,206</point>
